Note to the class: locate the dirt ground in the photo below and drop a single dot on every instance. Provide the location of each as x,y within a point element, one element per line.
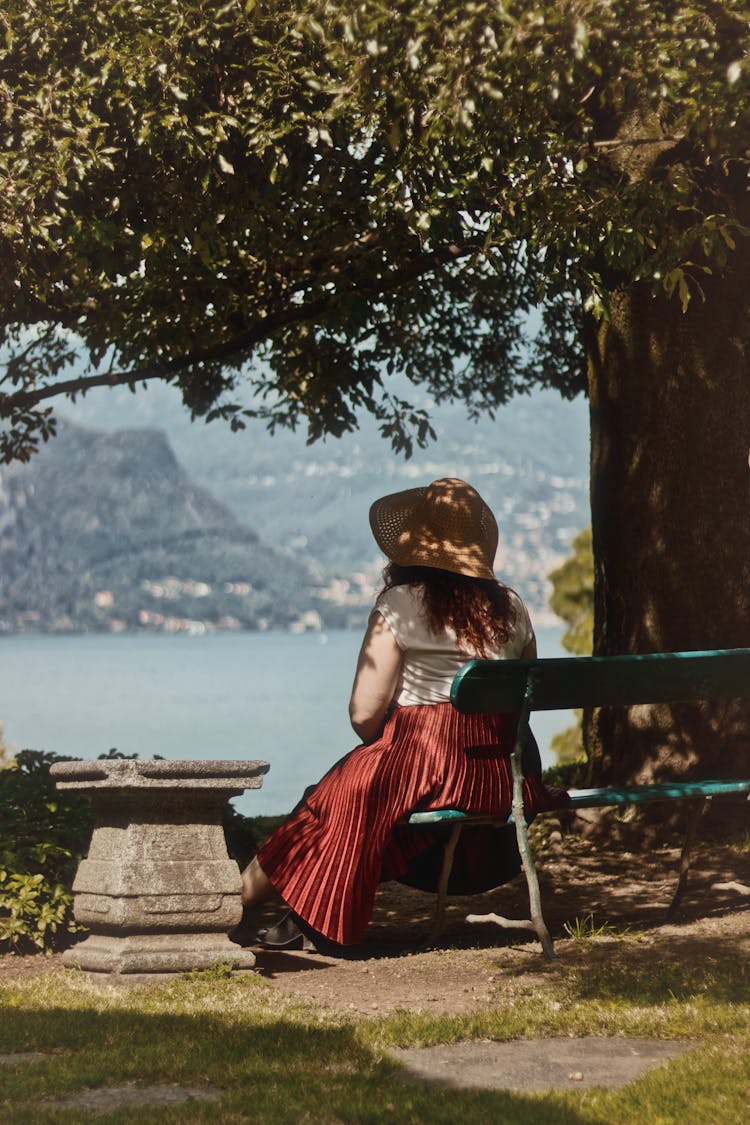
<point>476,962</point>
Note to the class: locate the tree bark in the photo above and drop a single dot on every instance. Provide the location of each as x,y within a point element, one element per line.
<point>670,432</point>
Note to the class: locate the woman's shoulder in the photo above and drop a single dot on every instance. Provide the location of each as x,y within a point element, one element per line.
<point>523,630</point>
<point>399,600</point>
<point>401,607</point>
<point>519,605</point>
<point>399,595</point>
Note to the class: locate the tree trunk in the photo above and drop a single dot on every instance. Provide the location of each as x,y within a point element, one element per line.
<point>670,431</point>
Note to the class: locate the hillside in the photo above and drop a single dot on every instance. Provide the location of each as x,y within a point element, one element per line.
<point>530,463</point>
<point>107,531</point>
<point>93,527</point>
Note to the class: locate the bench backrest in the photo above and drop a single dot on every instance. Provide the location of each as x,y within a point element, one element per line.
<point>492,686</point>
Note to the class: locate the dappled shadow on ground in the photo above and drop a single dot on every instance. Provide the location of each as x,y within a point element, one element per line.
<point>627,894</point>
<point>614,894</point>
<point>621,889</point>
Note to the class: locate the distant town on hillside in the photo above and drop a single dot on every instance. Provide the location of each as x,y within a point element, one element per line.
<point>134,518</point>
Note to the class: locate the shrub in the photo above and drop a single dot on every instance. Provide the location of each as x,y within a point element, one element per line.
<point>33,911</point>
<point>245,834</point>
<point>43,835</point>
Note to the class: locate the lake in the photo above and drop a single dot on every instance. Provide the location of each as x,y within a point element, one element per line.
<point>275,696</point>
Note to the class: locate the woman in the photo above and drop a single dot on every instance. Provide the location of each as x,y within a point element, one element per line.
<point>441,606</point>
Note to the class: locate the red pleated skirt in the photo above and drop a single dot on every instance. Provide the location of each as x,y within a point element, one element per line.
<point>346,836</point>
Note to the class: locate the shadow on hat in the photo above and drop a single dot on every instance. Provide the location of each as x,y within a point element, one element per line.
<point>446,525</point>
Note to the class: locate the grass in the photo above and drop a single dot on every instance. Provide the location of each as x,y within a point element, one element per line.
<point>585,928</point>
<point>277,1060</point>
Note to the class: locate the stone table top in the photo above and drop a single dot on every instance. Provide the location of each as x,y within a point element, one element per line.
<point>150,773</point>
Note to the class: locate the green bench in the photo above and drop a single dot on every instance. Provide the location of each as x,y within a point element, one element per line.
<point>501,686</point>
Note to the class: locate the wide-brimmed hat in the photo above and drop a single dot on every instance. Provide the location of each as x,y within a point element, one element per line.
<point>445,524</point>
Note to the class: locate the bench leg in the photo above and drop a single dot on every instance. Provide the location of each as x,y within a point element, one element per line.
<point>536,923</point>
<point>438,918</point>
<point>519,820</point>
<point>532,882</point>
<point>694,818</point>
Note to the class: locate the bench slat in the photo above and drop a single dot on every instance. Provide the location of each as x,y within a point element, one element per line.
<point>660,791</point>
<point>599,798</point>
<point>493,686</point>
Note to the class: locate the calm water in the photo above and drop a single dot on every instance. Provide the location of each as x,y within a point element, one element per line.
<point>274,696</point>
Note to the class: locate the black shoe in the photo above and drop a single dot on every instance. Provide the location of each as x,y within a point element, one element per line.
<point>285,934</point>
<point>244,932</point>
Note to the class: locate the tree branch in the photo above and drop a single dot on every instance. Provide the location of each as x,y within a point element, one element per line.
<point>634,142</point>
<point>243,342</point>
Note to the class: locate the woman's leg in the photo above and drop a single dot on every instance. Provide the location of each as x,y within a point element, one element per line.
<point>256,886</point>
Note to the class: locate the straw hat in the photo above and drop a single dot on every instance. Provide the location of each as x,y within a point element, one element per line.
<point>445,525</point>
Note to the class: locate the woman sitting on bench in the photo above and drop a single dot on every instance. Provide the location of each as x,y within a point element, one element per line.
<point>440,607</point>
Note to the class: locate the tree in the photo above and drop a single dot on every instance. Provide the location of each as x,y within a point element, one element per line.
<point>334,192</point>
<point>187,191</point>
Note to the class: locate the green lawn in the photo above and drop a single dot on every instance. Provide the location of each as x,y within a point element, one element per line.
<point>274,1060</point>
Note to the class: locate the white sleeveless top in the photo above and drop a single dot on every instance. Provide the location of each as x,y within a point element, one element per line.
<point>431,661</point>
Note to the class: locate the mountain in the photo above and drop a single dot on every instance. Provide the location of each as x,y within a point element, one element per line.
<point>107,531</point>
<point>134,517</point>
<point>311,501</point>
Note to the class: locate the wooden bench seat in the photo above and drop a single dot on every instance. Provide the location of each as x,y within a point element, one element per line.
<point>523,686</point>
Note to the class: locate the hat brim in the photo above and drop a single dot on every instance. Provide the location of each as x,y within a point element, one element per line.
<point>403,532</point>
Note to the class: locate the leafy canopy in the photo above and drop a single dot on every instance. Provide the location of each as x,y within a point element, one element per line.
<point>308,196</point>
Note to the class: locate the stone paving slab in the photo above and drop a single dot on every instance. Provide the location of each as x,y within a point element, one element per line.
<point>538,1064</point>
<point>116,1097</point>
<point>24,1057</point>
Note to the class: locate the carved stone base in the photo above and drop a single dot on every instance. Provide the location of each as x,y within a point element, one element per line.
<point>155,953</point>
<point>158,891</point>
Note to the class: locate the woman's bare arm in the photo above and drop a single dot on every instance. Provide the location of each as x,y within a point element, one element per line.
<point>375,680</point>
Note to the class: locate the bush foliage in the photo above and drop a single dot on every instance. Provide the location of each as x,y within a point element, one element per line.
<point>43,835</point>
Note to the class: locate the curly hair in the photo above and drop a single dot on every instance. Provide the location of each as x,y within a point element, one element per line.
<point>479,610</point>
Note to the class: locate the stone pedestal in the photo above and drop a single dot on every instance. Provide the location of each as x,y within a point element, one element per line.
<point>157,890</point>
